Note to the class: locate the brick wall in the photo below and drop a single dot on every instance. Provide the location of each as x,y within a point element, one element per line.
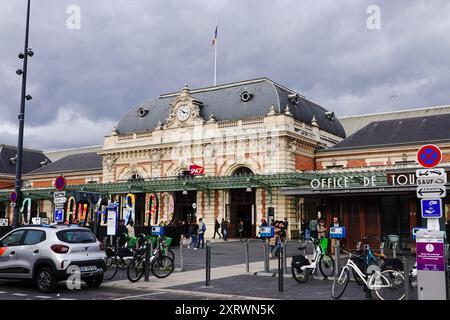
<point>304,163</point>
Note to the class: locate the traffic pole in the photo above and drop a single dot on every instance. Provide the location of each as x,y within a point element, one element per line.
<point>181,255</point>
<point>337,257</point>
<point>285,257</point>
<point>266,255</point>
<point>247,257</point>
<point>280,267</point>
<point>148,252</point>
<point>208,263</point>
<point>406,274</point>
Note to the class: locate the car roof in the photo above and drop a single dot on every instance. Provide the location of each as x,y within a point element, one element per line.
<point>55,227</point>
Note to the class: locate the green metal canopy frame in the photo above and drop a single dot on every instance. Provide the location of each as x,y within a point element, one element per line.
<point>205,183</point>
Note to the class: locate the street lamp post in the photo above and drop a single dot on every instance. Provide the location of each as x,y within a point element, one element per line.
<point>28,52</point>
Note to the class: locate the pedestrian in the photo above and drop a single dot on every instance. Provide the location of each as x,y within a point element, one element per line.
<point>194,235</point>
<point>184,230</point>
<point>224,226</point>
<point>240,229</point>
<point>335,223</point>
<point>201,233</point>
<point>303,229</point>
<point>130,228</point>
<point>122,233</point>
<point>321,229</point>
<point>263,222</point>
<point>313,228</point>
<point>216,229</point>
<point>286,226</point>
<point>273,242</point>
<point>282,227</point>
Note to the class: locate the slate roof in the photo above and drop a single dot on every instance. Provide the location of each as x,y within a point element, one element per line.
<point>399,132</point>
<point>74,162</point>
<point>354,123</point>
<point>31,159</point>
<point>225,103</point>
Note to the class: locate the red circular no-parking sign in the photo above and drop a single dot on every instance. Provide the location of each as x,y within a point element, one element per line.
<point>60,183</point>
<point>429,156</point>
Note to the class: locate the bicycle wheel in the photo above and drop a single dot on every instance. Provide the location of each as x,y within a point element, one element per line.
<point>135,269</point>
<point>391,284</point>
<point>301,276</point>
<point>162,267</point>
<point>111,268</point>
<point>326,265</point>
<point>169,253</point>
<point>340,284</point>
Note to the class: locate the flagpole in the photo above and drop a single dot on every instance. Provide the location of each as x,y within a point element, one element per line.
<point>215,59</point>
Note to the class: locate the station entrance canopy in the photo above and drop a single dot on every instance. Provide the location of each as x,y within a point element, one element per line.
<point>380,179</point>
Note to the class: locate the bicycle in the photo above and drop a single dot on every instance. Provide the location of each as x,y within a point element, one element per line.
<point>118,259</point>
<point>161,265</point>
<point>384,282</point>
<point>302,267</point>
<point>366,258</point>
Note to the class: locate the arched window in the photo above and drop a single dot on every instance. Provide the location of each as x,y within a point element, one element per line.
<point>243,171</point>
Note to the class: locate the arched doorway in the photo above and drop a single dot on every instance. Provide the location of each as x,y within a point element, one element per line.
<point>242,207</point>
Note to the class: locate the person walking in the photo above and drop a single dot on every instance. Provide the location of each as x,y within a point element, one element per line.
<point>273,242</point>
<point>335,223</point>
<point>240,229</point>
<point>216,229</point>
<point>303,226</point>
<point>313,228</point>
<point>224,226</point>
<point>201,233</point>
<point>192,233</point>
<point>321,229</point>
<point>286,227</point>
<point>130,228</point>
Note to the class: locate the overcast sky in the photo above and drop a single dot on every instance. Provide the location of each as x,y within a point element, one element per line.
<point>83,80</point>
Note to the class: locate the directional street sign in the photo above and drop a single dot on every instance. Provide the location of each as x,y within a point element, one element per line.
<point>59,194</point>
<point>59,200</point>
<point>432,181</point>
<point>435,172</point>
<point>429,156</point>
<point>59,205</point>
<point>431,208</point>
<point>431,192</point>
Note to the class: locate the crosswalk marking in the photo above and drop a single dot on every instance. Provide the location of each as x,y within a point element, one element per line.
<point>42,297</point>
<point>139,295</point>
<point>65,299</point>
<point>2,292</point>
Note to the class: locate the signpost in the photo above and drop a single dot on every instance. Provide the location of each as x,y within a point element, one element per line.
<point>59,199</point>
<point>431,192</point>
<point>60,183</point>
<point>429,156</point>
<point>59,215</point>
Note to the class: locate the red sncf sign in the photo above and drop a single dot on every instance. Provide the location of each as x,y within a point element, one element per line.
<point>196,170</point>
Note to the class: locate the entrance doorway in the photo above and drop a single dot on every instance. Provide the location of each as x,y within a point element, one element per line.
<point>242,207</point>
<point>184,210</point>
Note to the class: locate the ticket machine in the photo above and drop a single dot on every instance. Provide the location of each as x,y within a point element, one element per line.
<point>432,281</point>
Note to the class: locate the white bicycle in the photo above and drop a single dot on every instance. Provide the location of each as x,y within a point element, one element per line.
<point>302,268</point>
<point>387,284</point>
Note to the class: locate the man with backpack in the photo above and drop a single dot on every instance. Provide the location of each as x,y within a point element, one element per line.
<point>201,233</point>
<point>313,228</point>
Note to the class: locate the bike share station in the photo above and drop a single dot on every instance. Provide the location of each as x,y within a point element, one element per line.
<point>337,233</point>
<point>431,253</point>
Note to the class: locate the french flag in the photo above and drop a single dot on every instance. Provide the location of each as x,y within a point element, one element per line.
<point>215,37</point>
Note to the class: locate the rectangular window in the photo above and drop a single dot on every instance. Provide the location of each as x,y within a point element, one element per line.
<point>76,236</point>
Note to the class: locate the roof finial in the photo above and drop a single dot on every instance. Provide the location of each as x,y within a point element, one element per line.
<point>186,87</point>
<point>159,125</point>
<point>212,118</point>
<point>272,111</point>
<point>287,111</point>
<point>314,122</point>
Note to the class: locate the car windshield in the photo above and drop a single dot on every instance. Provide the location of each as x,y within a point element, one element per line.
<point>76,236</point>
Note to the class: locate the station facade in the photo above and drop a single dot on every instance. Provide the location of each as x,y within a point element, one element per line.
<point>244,150</point>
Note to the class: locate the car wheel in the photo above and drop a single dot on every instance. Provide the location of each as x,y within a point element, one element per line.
<point>45,281</point>
<point>94,282</point>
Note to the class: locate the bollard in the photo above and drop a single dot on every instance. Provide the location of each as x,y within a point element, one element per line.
<point>280,267</point>
<point>285,257</point>
<point>382,248</point>
<point>337,257</point>
<point>406,275</point>
<point>181,255</point>
<point>208,263</point>
<point>266,255</point>
<point>394,250</point>
<point>247,257</point>
<point>148,252</point>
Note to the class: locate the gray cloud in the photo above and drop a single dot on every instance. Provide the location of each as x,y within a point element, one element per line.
<point>129,51</point>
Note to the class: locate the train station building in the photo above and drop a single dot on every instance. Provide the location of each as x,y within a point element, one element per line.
<point>245,150</point>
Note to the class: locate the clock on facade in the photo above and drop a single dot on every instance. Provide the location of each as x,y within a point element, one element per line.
<point>183,112</point>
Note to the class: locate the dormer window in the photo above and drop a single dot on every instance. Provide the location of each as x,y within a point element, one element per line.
<point>13,160</point>
<point>246,96</point>
<point>142,112</point>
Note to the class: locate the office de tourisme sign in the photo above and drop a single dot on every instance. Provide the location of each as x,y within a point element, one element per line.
<point>365,181</point>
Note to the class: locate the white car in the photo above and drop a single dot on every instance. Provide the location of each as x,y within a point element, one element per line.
<point>43,254</point>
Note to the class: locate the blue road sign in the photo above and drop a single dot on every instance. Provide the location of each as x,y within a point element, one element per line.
<point>59,215</point>
<point>431,208</point>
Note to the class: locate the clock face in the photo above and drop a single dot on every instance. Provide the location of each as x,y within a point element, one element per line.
<point>183,113</point>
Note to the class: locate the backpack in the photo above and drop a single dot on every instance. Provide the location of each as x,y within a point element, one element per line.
<point>313,225</point>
